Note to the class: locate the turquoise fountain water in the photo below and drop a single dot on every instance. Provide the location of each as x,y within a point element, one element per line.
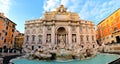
<point>99,59</point>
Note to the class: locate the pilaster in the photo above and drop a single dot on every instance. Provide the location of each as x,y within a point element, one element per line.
<point>78,34</point>
<point>53,34</point>
<point>44,33</point>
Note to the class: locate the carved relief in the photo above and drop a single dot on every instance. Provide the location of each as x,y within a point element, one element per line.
<point>40,39</point>
<point>49,28</point>
<point>40,29</point>
<point>61,9</point>
<point>27,31</point>
<point>74,28</point>
<point>33,31</point>
<point>80,28</point>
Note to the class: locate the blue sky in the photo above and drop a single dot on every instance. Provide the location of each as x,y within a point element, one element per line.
<point>21,10</point>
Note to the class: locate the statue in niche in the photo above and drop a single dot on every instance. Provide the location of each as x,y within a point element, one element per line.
<point>61,41</point>
<point>48,38</point>
<point>40,41</point>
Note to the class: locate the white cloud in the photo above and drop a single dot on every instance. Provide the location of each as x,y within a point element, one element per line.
<point>5,6</point>
<point>87,9</point>
<point>50,4</point>
<point>65,2</point>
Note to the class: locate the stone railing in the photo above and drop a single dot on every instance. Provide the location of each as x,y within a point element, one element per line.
<point>112,48</point>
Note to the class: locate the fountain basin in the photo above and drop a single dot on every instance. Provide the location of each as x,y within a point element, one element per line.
<point>98,59</point>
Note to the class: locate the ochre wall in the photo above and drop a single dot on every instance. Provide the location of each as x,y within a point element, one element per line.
<point>107,26</point>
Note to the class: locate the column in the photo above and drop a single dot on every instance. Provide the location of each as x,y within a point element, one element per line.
<point>44,34</point>
<point>30,38</point>
<point>69,36</point>
<point>78,34</point>
<point>36,36</point>
<point>53,34</point>
<point>66,39</point>
<point>56,39</point>
<point>84,39</point>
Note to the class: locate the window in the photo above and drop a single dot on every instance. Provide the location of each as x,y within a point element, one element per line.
<point>40,39</point>
<point>6,33</point>
<point>32,47</point>
<point>92,38</point>
<point>2,37</point>
<point>39,46</point>
<point>115,28</point>
<point>13,26</point>
<point>87,38</point>
<point>81,38</point>
<point>0,34</point>
<point>73,37</point>
<point>33,37</point>
<point>6,27</point>
<point>12,30</point>
<point>27,38</point>
<point>12,35</point>
<point>3,31</point>
<point>112,36</point>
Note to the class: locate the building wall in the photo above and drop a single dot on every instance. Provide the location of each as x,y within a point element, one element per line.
<point>80,31</point>
<point>2,31</point>
<point>106,27</point>
<point>7,30</point>
<point>19,39</point>
<point>10,32</point>
<point>76,31</point>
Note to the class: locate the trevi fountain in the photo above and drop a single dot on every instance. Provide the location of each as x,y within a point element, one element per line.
<point>59,35</point>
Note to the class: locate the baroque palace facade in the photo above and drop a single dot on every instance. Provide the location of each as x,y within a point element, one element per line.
<point>7,33</point>
<point>60,28</point>
<point>108,30</point>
